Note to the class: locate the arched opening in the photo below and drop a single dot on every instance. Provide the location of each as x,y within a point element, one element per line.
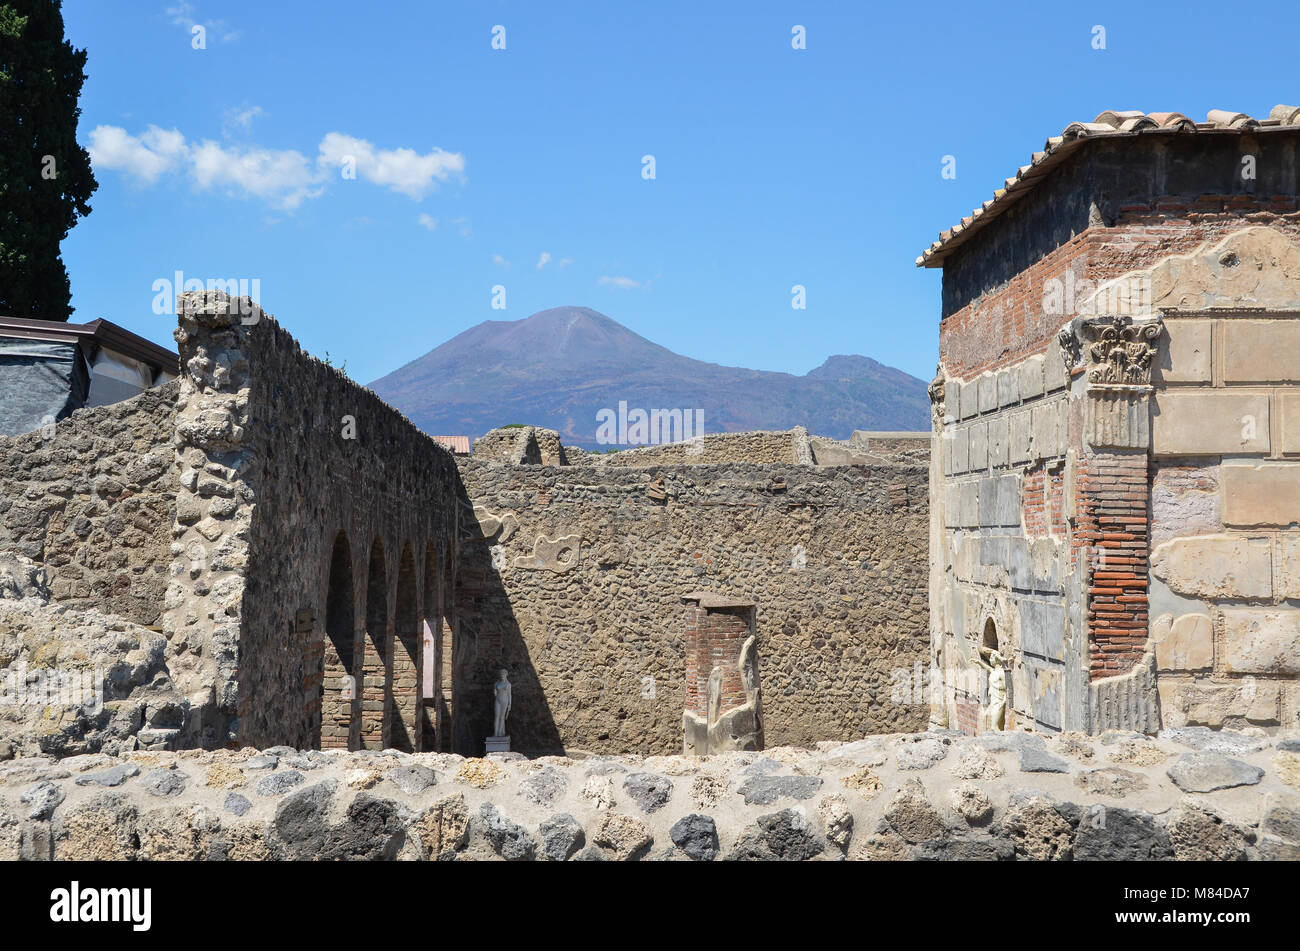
<point>376,667</point>
<point>990,635</point>
<point>431,628</point>
<point>446,659</point>
<point>405,677</point>
<point>339,698</point>
<point>995,706</point>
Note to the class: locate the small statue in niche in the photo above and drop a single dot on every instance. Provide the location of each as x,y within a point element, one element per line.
<point>995,711</point>
<point>501,705</point>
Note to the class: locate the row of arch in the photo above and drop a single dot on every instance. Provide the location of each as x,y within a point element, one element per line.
<point>380,688</point>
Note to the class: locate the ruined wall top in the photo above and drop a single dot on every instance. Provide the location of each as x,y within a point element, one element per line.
<point>532,445</point>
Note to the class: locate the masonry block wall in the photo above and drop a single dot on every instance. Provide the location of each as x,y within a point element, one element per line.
<point>313,526</point>
<point>92,501</point>
<point>572,577</point>
<point>1085,543</point>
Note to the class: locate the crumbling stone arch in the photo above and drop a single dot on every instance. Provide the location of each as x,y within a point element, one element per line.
<point>377,655</point>
<point>340,703</point>
<point>404,718</point>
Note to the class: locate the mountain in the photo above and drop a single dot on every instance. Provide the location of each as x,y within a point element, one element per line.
<point>559,367</point>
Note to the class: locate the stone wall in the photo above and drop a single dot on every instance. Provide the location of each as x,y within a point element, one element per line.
<point>788,447</point>
<point>315,537</point>
<point>1145,495</point>
<point>576,577</point>
<point>1187,795</point>
<point>1225,572</point>
<point>92,501</point>
<point>1004,558</point>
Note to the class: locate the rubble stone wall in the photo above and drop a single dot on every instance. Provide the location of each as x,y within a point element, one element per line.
<point>1186,795</point>
<point>787,447</point>
<point>284,458</point>
<point>577,589</point>
<point>92,501</point>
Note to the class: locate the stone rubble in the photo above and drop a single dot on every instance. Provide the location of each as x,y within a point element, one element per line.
<point>985,798</point>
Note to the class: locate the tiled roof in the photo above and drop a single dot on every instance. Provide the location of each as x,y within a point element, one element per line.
<point>458,445</point>
<point>1106,125</point>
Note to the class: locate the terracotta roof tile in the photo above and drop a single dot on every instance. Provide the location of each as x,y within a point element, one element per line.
<point>459,445</point>
<point>1109,123</point>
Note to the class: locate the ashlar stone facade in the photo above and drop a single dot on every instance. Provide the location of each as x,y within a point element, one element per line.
<point>1116,478</point>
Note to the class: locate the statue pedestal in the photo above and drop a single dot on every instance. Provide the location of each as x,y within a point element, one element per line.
<point>498,744</point>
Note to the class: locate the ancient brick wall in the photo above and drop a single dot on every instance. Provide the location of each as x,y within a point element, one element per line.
<point>577,588</point>
<point>712,639</point>
<point>93,502</point>
<point>316,527</point>
<point>1214,278</point>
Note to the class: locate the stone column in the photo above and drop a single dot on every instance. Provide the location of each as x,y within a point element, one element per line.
<point>723,700</point>
<point>1112,515</point>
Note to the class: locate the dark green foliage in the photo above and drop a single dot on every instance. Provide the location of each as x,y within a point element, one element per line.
<point>45,175</point>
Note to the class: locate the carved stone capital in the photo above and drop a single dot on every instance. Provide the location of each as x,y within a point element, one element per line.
<point>1119,351</point>
<point>937,392</point>
<point>1069,344</point>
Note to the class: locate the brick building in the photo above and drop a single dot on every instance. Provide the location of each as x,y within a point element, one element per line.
<point>1115,526</point>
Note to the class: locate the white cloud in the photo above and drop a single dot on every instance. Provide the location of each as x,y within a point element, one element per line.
<point>401,170</point>
<point>239,121</point>
<point>543,260</point>
<point>424,221</point>
<point>186,14</point>
<point>284,177</point>
<point>145,158</point>
<point>499,261</point>
<point>624,283</point>
<point>464,226</point>
<point>565,262</point>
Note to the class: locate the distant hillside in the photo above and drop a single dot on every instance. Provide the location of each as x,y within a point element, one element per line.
<point>559,367</point>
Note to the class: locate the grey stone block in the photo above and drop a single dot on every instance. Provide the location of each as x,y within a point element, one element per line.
<point>970,504</point>
<point>1043,420</point>
<point>1054,631</point>
<point>998,441</point>
<point>952,505</point>
<point>1034,760</point>
<point>1031,626</point>
<point>961,451</point>
<point>1019,434</point>
<point>1204,771</point>
<point>988,501</point>
<point>1054,377</point>
<point>1008,387</point>
<point>979,452</point>
<point>1031,378</point>
<point>1008,504</point>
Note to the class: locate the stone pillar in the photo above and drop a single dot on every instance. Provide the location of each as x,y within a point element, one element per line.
<point>723,700</point>
<point>1112,509</point>
<point>202,610</point>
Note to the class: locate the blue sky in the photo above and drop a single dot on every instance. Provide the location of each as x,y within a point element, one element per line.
<point>522,167</point>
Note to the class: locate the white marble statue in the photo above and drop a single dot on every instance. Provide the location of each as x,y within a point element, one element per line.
<point>502,705</point>
<point>995,713</point>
